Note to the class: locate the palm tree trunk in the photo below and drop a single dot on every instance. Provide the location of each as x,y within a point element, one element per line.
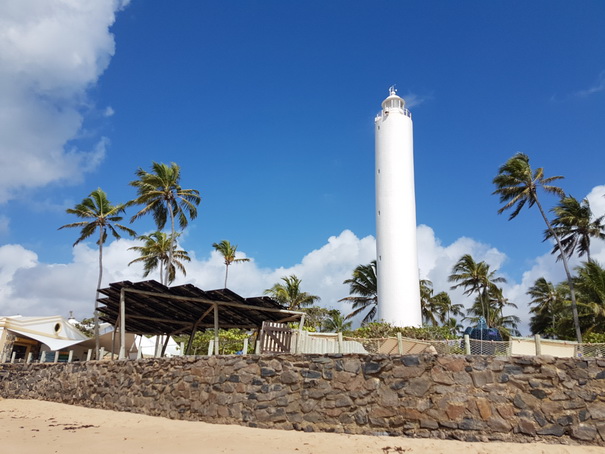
<point>96,313</point>
<point>574,306</point>
<point>169,264</point>
<point>226,274</point>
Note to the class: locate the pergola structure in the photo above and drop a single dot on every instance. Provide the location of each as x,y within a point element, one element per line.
<point>149,307</point>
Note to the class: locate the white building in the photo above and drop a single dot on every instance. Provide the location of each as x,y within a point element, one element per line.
<point>396,249</point>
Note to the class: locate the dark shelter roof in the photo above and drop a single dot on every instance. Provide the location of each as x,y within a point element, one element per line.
<point>152,308</point>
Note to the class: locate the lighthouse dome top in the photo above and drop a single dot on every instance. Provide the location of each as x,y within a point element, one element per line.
<point>394,103</point>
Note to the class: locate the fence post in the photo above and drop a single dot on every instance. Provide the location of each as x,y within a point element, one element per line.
<point>56,359</point>
<point>467,345</point>
<point>29,358</point>
<point>13,357</point>
<point>43,357</point>
<point>101,353</point>
<point>210,347</point>
<point>340,343</point>
<point>89,354</point>
<point>538,344</point>
<point>70,358</point>
<point>399,343</point>
<point>245,347</point>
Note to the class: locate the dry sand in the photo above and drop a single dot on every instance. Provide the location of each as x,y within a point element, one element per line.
<point>37,427</point>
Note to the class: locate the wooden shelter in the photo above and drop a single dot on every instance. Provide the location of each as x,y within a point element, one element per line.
<point>149,307</point>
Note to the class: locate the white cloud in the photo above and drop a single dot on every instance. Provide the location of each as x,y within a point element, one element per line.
<point>51,53</point>
<point>30,287</point>
<point>597,87</point>
<point>4,224</point>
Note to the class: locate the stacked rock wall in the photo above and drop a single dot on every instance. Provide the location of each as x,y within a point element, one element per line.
<point>473,398</point>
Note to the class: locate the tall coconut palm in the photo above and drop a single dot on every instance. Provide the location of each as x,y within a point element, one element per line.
<point>161,194</point>
<point>99,215</point>
<point>227,250</point>
<point>547,302</point>
<point>517,185</point>
<point>475,278</point>
<point>575,227</point>
<point>154,255</point>
<point>363,291</point>
<point>290,295</point>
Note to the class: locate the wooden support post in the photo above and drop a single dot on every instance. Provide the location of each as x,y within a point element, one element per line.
<point>43,357</point>
<point>156,348</point>
<point>257,348</point>
<point>163,352</point>
<point>113,336</point>
<point>399,344</point>
<point>216,327</point>
<point>13,357</point>
<point>467,344</point>
<point>89,354</point>
<point>29,357</point>
<point>182,348</point>
<point>245,347</point>
<point>56,360</point>
<point>101,353</point>
<point>70,358</point>
<point>538,345</point>
<point>122,325</point>
<point>210,347</point>
<point>300,331</point>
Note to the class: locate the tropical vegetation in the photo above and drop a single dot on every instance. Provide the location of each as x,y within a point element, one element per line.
<point>289,293</point>
<point>161,195</point>
<point>363,292</point>
<point>98,215</point>
<point>228,251</point>
<point>155,253</point>
<point>517,185</point>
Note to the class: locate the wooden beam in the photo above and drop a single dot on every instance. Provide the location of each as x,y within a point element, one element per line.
<point>195,327</point>
<point>208,301</point>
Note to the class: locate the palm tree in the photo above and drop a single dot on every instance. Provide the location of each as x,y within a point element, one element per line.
<point>98,214</point>
<point>475,278</point>
<point>590,283</point>
<point>517,185</point>
<point>547,302</point>
<point>575,227</point>
<point>228,251</point>
<point>434,308</point>
<point>363,291</point>
<point>161,194</point>
<point>154,254</point>
<point>335,322</point>
<point>290,295</point>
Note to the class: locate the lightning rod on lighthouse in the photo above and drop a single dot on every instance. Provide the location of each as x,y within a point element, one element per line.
<point>396,249</point>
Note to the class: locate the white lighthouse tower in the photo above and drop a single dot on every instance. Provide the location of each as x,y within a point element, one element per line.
<point>396,249</point>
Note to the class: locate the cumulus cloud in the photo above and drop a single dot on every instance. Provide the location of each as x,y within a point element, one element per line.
<point>35,288</point>
<point>51,53</point>
<point>30,287</point>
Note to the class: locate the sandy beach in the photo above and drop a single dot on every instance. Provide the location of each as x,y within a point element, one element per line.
<point>30,426</point>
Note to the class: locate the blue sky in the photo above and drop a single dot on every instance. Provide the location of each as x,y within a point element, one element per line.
<point>268,108</point>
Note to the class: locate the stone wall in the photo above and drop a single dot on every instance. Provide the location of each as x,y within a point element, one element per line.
<point>472,398</point>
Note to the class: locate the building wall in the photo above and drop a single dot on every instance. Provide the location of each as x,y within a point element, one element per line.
<point>472,398</point>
